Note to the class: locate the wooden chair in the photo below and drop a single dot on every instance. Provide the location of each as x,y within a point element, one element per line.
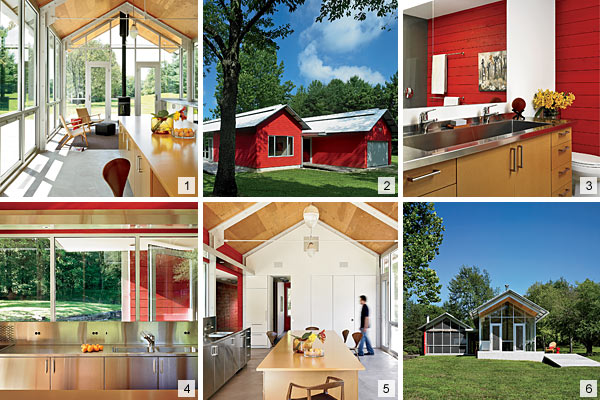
<point>551,348</point>
<point>86,118</point>
<point>311,328</point>
<point>357,336</point>
<point>337,382</point>
<point>115,173</point>
<point>345,333</point>
<point>72,131</point>
<point>272,336</point>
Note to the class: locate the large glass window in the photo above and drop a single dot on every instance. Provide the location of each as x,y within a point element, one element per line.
<point>24,279</point>
<point>9,55</point>
<point>195,81</point>
<point>281,146</point>
<point>9,145</point>
<point>169,73</point>
<point>51,65</point>
<point>30,57</point>
<point>30,129</point>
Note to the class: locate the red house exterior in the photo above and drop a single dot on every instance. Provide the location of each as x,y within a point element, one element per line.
<point>253,134</point>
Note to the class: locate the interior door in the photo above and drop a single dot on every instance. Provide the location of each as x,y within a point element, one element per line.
<point>496,337</point>
<point>519,335</point>
<point>147,92</point>
<point>171,284</point>
<point>97,88</point>
<point>343,303</point>
<point>321,299</point>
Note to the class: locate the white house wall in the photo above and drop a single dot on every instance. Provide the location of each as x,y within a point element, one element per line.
<point>288,251</point>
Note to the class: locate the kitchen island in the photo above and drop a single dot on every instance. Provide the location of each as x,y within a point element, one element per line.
<point>282,366</point>
<point>157,161</point>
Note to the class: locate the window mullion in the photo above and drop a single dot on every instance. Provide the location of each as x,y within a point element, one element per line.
<point>52,279</point>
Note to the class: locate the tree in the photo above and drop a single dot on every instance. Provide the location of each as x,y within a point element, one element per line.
<point>468,289</point>
<point>587,307</point>
<point>416,315</point>
<point>226,27</point>
<point>336,9</point>
<point>422,237</point>
<point>260,82</point>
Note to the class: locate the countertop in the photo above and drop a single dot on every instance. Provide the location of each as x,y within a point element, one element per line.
<point>338,356</point>
<point>169,157</point>
<point>22,350</point>
<point>208,340</point>
<point>416,158</point>
<point>91,394</point>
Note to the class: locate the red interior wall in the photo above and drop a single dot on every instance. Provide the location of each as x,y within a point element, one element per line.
<point>240,295</point>
<point>227,307</point>
<point>476,30</point>
<point>343,150</point>
<point>578,69</point>
<point>280,124</point>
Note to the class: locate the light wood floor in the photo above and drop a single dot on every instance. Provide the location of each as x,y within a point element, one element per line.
<point>247,383</point>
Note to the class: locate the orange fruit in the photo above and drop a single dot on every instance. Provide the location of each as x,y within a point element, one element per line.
<point>101,347</point>
<point>83,349</point>
<point>89,348</point>
<point>96,348</point>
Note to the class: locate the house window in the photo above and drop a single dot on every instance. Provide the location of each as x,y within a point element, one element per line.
<point>281,146</point>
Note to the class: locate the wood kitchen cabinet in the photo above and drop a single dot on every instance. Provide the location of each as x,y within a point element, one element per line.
<point>142,175</point>
<point>81,373</point>
<point>25,373</point>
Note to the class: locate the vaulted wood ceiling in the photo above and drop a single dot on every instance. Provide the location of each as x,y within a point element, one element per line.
<point>181,15</point>
<point>276,217</point>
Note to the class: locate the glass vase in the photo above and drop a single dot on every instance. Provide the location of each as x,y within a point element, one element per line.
<point>551,114</point>
<point>164,126</point>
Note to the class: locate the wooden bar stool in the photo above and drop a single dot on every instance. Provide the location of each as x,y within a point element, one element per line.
<point>272,336</point>
<point>357,336</point>
<point>115,174</point>
<point>337,382</point>
<point>311,328</point>
<point>345,333</point>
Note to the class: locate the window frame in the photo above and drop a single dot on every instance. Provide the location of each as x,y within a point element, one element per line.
<point>275,137</point>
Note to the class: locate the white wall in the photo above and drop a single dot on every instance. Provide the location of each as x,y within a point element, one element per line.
<point>332,250</point>
<point>530,37</point>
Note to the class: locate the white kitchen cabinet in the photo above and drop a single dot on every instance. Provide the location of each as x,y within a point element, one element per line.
<point>344,303</point>
<point>256,315</point>
<point>321,298</point>
<point>25,373</point>
<point>366,285</point>
<point>77,373</point>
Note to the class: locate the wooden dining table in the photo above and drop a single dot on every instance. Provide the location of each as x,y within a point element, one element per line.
<point>283,366</point>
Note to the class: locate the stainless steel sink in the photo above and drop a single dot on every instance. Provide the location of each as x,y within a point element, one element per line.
<point>216,335</point>
<point>176,349</point>
<point>131,350</point>
<point>449,138</point>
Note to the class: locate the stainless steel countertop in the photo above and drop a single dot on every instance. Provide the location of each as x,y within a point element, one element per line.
<point>209,341</point>
<point>416,158</point>
<point>21,350</point>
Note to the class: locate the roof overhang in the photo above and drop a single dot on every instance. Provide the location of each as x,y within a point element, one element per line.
<point>442,317</point>
<point>514,298</point>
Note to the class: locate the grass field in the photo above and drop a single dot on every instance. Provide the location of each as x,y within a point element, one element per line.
<point>22,310</point>
<point>307,182</point>
<point>451,377</point>
<point>99,108</point>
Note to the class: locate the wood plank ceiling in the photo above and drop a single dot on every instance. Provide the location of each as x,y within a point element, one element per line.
<point>277,217</point>
<point>181,15</point>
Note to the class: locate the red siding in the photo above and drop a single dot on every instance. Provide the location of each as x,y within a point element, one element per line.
<point>280,124</point>
<point>342,150</point>
<point>578,69</point>
<point>252,146</point>
<point>476,30</point>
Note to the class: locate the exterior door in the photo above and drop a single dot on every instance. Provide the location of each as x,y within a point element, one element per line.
<point>519,335</point>
<point>306,150</point>
<point>496,337</point>
<point>377,154</point>
<point>147,87</point>
<point>97,88</point>
<point>207,152</point>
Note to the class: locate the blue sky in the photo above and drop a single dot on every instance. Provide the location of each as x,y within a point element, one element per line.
<point>520,243</point>
<point>324,51</point>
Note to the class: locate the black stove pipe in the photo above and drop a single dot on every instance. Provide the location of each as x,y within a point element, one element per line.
<point>124,104</point>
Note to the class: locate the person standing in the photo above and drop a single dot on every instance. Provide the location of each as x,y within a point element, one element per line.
<point>364,325</point>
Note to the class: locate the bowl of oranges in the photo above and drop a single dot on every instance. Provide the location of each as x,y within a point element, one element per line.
<point>91,348</point>
<point>184,133</point>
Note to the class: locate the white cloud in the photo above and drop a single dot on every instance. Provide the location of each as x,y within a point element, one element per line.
<point>313,68</point>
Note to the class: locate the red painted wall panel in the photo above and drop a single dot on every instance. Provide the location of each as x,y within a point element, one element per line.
<point>280,124</point>
<point>231,252</point>
<point>343,150</point>
<point>245,148</point>
<point>476,30</point>
<point>578,69</point>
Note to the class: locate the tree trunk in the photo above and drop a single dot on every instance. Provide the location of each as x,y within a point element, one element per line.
<point>225,185</point>
<point>84,262</point>
<point>588,347</point>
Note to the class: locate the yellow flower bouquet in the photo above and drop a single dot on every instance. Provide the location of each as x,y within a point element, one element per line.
<point>550,102</point>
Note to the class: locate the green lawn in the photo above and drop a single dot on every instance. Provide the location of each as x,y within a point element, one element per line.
<point>20,310</point>
<point>99,107</point>
<point>451,377</point>
<point>308,182</point>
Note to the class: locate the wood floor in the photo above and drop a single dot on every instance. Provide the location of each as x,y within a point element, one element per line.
<point>247,383</point>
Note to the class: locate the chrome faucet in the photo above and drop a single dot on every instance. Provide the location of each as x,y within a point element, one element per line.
<point>150,339</point>
<point>424,122</point>
<point>486,114</point>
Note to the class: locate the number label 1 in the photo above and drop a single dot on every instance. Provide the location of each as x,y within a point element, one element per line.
<point>588,388</point>
<point>186,388</point>
<point>186,185</point>
<point>386,388</point>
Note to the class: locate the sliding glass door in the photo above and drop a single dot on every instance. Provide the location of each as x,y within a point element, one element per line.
<point>389,293</point>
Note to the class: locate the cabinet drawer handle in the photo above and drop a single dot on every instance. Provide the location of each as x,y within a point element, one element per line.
<point>565,133</point>
<point>519,147</point>
<point>513,160</point>
<point>46,365</point>
<point>563,149</point>
<point>53,366</point>
<point>161,365</point>
<point>564,193</point>
<point>139,164</point>
<point>154,366</point>
<point>564,171</point>
<point>418,178</point>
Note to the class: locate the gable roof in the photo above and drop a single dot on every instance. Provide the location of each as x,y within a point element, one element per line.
<point>354,121</point>
<point>442,317</point>
<point>251,119</point>
<point>540,311</point>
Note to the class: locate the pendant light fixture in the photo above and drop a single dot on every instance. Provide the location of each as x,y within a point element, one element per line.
<point>133,31</point>
<point>311,216</point>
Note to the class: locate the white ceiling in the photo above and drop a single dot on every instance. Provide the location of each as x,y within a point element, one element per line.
<point>437,8</point>
<point>223,276</point>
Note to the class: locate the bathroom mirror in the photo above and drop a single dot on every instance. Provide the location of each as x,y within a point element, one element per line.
<point>454,53</point>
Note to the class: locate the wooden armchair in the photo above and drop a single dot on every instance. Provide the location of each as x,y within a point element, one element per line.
<point>337,382</point>
<point>551,348</point>
<point>86,118</point>
<point>72,131</point>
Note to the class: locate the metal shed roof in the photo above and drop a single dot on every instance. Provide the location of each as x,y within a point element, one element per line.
<point>442,317</point>
<point>541,312</point>
<point>354,121</point>
<point>251,119</point>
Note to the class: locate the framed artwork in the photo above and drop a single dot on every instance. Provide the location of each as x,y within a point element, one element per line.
<point>492,71</point>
